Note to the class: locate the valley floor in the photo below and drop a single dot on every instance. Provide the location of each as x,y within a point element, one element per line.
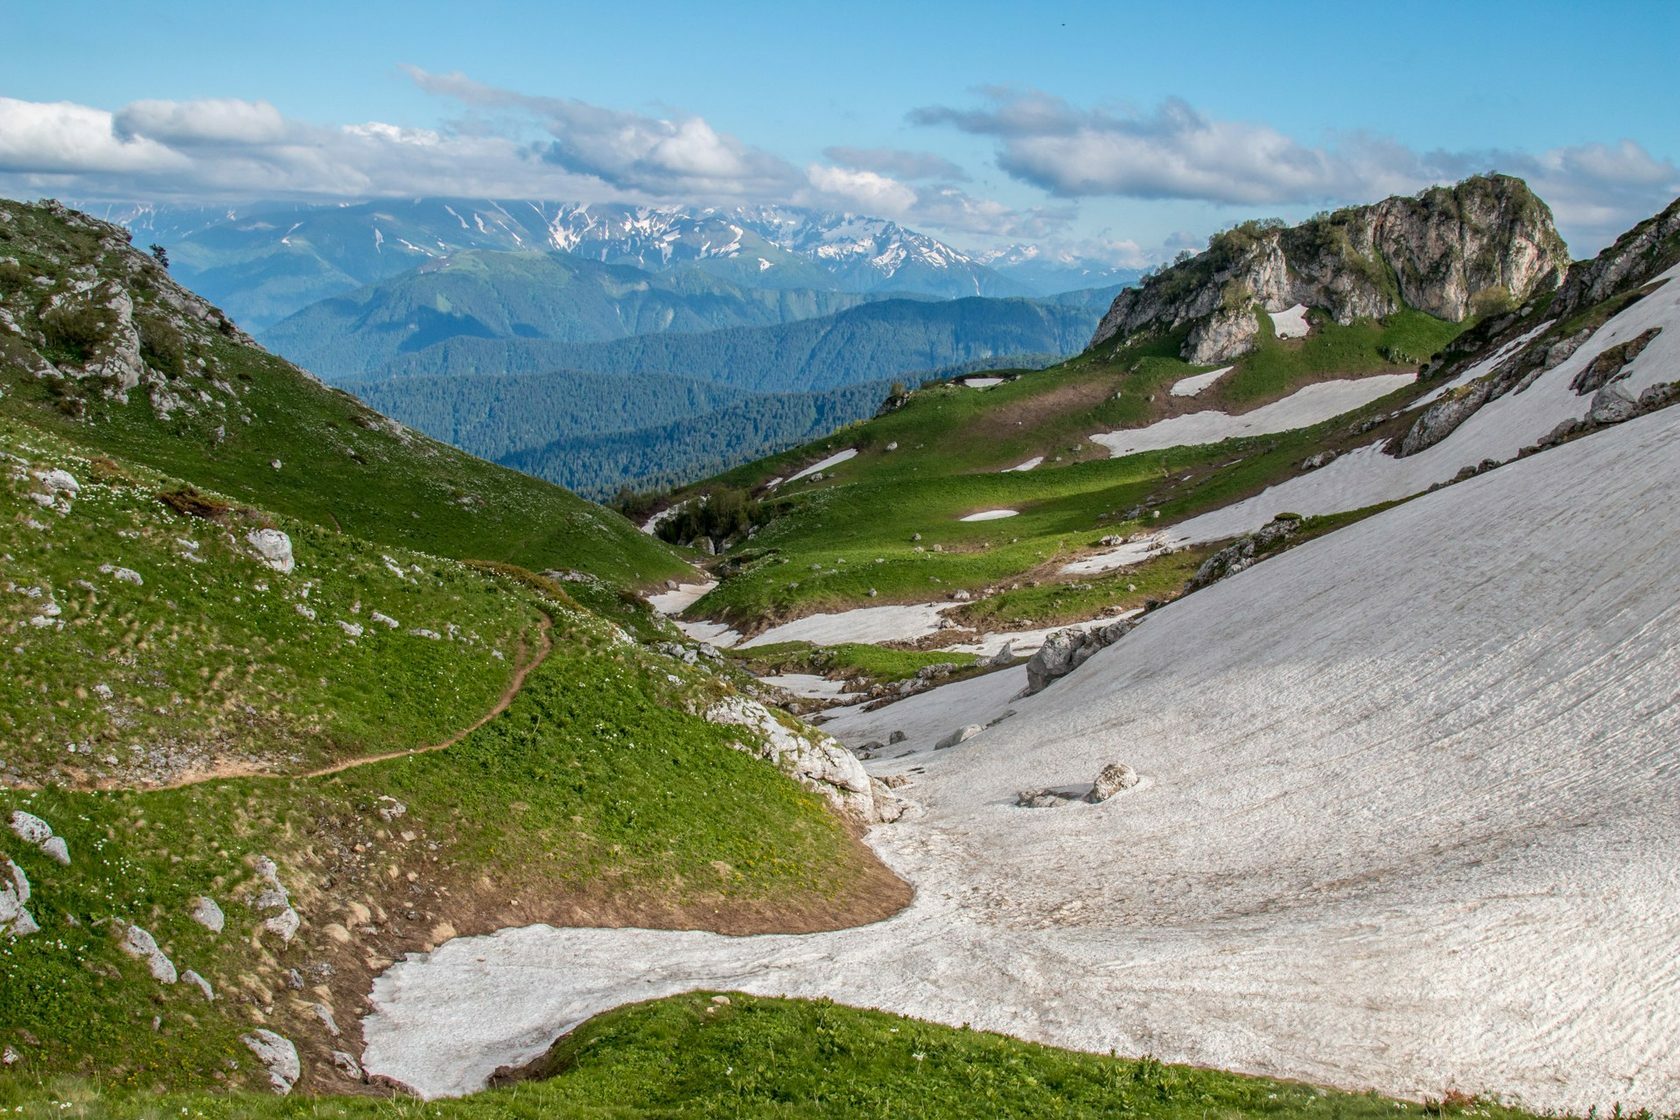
<point>1406,822</point>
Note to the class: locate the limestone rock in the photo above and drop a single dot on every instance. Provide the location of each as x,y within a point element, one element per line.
<point>812,758</point>
<point>30,829</point>
<point>1613,404</point>
<point>1608,366</point>
<point>346,1063</point>
<point>274,902</point>
<point>15,920</point>
<point>1066,650</point>
<point>1436,252</point>
<point>140,944</point>
<point>207,914</point>
<point>273,548</point>
<point>1116,776</point>
<point>960,735</point>
<point>278,1056</point>
<point>199,982</point>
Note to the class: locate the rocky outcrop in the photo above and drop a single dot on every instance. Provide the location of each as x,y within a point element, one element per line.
<point>1636,257</point>
<point>1066,650</point>
<point>1234,558</point>
<point>1608,366</point>
<point>1446,251</point>
<point>815,760</point>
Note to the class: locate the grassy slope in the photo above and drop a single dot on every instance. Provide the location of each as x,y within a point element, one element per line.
<point>954,443</point>
<point>751,1057</point>
<point>343,466</point>
<point>212,658</point>
<point>599,796</point>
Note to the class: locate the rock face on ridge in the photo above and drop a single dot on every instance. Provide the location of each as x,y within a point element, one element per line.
<point>1450,251</point>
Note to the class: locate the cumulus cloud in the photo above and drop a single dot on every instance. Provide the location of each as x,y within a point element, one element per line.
<point>209,121</point>
<point>1175,152</point>
<point>63,138</point>
<point>896,162</point>
<point>630,151</point>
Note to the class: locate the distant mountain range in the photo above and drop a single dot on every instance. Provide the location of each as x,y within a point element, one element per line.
<point>263,261</point>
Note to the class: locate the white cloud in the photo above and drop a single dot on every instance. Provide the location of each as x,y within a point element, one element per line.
<point>211,121</point>
<point>61,137</point>
<point>896,162</point>
<point>1176,152</point>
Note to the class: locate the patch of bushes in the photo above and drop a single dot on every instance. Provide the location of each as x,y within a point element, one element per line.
<point>162,345</point>
<point>73,332</point>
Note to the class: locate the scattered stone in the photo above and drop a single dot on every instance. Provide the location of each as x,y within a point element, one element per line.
<point>126,575</point>
<point>384,620</point>
<point>423,633</point>
<point>960,735</point>
<point>1116,776</point>
<point>1043,798</point>
<point>896,737</point>
<point>10,1057</point>
<point>325,1014</point>
<point>30,829</point>
<point>346,1063</point>
<point>354,629</point>
<point>141,945</point>
<point>275,901</point>
<point>201,984</point>
<point>721,1001</point>
<point>1613,404</point>
<point>278,1056</point>
<point>1004,656</point>
<point>15,920</point>
<point>273,548</point>
<point>207,914</point>
<point>1234,558</point>
<point>1322,459</point>
<point>33,830</point>
<point>390,808</point>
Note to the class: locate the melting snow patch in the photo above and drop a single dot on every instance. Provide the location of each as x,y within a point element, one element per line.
<point>981,382</point>
<point>991,515</point>
<point>1191,386</point>
<point>1302,409</point>
<point>1026,466</point>
<point>1291,323</point>
<point>833,460</point>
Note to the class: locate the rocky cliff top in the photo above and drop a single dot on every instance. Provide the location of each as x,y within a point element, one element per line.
<point>1450,251</point>
<point>83,309</point>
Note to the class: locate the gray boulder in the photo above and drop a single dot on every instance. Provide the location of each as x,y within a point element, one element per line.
<point>278,1056</point>
<point>15,920</point>
<point>1613,404</point>
<point>960,735</point>
<point>273,548</point>
<point>207,914</point>
<point>140,944</point>
<point>1066,650</point>
<point>1116,776</point>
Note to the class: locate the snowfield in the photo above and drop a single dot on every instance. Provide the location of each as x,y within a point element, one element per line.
<point>1301,409</point>
<point>1291,323</point>
<point>1194,384</point>
<point>1408,822</point>
<point>833,460</point>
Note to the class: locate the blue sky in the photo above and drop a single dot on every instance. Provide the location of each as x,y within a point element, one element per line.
<point>1119,130</point>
